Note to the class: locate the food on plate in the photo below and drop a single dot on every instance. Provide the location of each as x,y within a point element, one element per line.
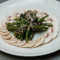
<point>24,26</point>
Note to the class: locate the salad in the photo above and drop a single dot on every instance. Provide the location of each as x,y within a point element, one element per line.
<point>27,24</point>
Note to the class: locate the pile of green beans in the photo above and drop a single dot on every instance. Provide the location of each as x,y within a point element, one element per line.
<point>27,24</point>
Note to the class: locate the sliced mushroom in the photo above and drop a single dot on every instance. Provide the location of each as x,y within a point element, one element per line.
<point>48,35</point>
<point>43,14</point>
<point>39,14</point>
<point>9,18</point>
<point>55,25</point>
<point>40,41</point>
<point>55,32</point>
<point>20,43</point>
<point>10,21</point>
<point>48,39</point>
<point>4,33</point>
<point>17,43</point>
<point>11,41</point>
<point>3,30</point>
<point>29,44</point>
<point>15,15</point>
<point>7,37</point>
<point>3,24</point>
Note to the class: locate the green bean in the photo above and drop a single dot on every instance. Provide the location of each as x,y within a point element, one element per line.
<point>11,28</point>
<point>31,35</point>
<point>23,16</point>
<point>47,24</point>
<point>35,24</point>
<point>27,33</point>
<point>41,28</point>
<point>16,19</point>
<point>21,38</point>
<point>18,35</point>
<point>42,19</point>
<point>33,14</point>
<point>9,24</point>
<point>22,32</point>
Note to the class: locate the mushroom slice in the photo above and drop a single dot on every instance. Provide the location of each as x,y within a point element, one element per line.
<point>29,44</point>
<point>55,30</point>
<point>39,14</point>
<point>9,18</point>
<point>40,41</point>
<point>54,22</point>
<point>11,41</point>
<point>43,14</point>
<point>19,43</point>
<point>4,33</point>
<point>16,15</point>
<point>3,30</point>
<point>7,37</point>
<point>48,35</point>
<point>48,39</point>
<point>10,21</point>
<point>3,24</point>
<point>22,43</point>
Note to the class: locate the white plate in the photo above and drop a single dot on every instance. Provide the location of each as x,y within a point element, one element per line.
<point>12,6</point>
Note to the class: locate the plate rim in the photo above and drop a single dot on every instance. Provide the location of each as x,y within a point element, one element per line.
<point>2,49</point>
<point>28,55</point>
